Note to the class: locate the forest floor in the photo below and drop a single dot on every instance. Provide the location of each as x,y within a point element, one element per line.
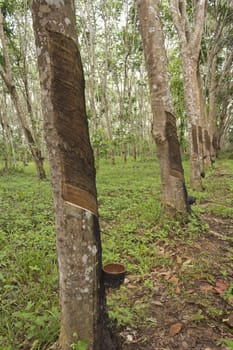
<point>190,304</point>
<point>178,290</point>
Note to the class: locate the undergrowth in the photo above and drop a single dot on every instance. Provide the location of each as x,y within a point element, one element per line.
<point>131,228</point>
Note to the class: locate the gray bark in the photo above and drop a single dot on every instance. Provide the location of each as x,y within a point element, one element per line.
<point>82,297</point>
<point>164,131</point>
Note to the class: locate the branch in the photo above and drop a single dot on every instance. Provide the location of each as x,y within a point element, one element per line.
<point>225,71</point>
<point>5,77</point>
<point>200,14</point>
<point>179,16</point>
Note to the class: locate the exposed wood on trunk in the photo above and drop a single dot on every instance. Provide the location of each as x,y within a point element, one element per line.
<point>82,294</point>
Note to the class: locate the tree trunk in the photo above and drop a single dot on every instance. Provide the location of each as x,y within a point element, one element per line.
<point>6,153</point>
<point>212,106</point>
<point>190,35</point>
<point>82,295</point>
<point>9,132</point>
<point>8,80</point>
<point>191,93</point>
<point>124,152</point>
<point>35,151</point>
<point>174,195</point>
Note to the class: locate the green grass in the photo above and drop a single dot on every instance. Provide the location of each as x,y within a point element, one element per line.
<point>28,268</point>
<point>129,209</point>
<point>219,188</point>
<point>131,226</point>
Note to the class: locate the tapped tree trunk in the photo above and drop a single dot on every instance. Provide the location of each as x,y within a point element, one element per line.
<point>82,294</point>
<point>174,194</point>
<point>190,35</point>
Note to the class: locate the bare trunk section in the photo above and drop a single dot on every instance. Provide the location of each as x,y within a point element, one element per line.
<point>164,122</point>
<point>82,295</point>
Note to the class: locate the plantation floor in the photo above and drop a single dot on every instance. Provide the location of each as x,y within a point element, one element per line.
<point>178,288</point>
<point>190,304</point>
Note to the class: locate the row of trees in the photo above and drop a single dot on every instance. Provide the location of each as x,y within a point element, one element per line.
<point>198,38</point>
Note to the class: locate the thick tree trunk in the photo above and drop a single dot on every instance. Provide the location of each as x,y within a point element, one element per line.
<point>82,295</point>
<point>164,122</point>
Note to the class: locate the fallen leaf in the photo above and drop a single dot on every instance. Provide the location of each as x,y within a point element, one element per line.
<point>206,288</point>
<point>174,280</point>
<point>152,320</point>
<point>175,329</point>
<point>187,263</point>
<point>165,274</point>
<point>178,260</point>
<point>221,286</point>
<point>191,291</point>
<point>129,338</point>
<point>161,251</point>
<point>131,286</point>
<point>178,290</point>
<point>133,277</point>
<point>229,320</point>
<point>157,303</point>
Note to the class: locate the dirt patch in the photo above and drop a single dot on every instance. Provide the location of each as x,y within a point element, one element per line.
<point>191,303</point>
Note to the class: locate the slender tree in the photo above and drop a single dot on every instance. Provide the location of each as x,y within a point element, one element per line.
<point>174,195</point>
<point>8,144</point>
<point>7,77</point>
<point>82,297</point>
<point>190,36</point>
<point>217,57</point>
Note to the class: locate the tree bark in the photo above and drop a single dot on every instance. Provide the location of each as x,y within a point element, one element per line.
<point>82,295</point>
<point>174,195</point>
<point>8,80</point>
<point>6,153</point>
<point>190,36</point>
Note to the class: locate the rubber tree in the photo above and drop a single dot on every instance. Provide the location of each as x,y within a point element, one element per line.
<point>174,195</point>
<point>82,295</point>
<point>7,77</point>
<point>217,52</point>
<point>8,143</point>
<point>190,36</point>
